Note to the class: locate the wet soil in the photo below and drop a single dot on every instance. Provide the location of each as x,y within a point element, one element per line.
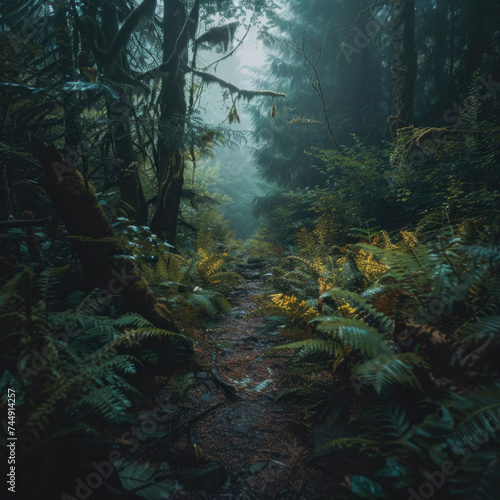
<point>245,442</point>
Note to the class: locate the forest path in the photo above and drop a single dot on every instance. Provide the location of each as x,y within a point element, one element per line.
<point>244,430</point>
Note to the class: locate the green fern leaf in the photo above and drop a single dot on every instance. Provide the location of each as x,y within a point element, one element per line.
<point>358,335</point>
<point>389,369</point>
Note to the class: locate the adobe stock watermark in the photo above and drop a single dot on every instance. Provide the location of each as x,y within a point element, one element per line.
<point>134,436</point>
<point>448,468</point>
<point>39,360</point>
<point>361,38</point>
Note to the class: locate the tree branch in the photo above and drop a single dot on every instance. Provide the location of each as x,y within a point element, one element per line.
<point>246,94</point>
<point>145,9</point>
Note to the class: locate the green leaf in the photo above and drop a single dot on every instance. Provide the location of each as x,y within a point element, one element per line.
<point>366,488</point>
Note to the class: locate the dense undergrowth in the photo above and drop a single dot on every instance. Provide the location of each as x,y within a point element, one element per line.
<point>74,355</point>
<point>394,331</point>
<point>396,340</point>
<point>381,255</point>
<point>394,334</point>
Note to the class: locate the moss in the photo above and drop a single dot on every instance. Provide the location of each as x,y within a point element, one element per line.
<point>79,209</point>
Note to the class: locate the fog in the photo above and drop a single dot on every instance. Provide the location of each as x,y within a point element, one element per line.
<point>237,174</point>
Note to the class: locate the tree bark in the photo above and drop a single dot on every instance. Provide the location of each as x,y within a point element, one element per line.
<point>405,73</point>
<point>65,69</point>
<point>86,221</point>
<point>129,184</point>
<point>476,19</point>
<point>172,122</point>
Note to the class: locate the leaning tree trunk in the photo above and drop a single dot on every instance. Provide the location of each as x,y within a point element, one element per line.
<point>77,206</point>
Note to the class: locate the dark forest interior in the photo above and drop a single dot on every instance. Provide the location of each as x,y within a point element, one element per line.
<point>250,249</point>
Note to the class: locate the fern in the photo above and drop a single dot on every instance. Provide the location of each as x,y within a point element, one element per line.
<point>315,345</point>
<point>489,254</point>
<point>131,320</point>
<point>357,334</point>
<point>180,386</point>
<point>347,442</point>
<point>478,478</point>
<point>212,303</point>
<point>363,309</point>
<point>311,401</point>
<point>81,373</point>
<point>391,369</point>
<point>485,327</point>
<point>108,402</point>
<point>475,411</point>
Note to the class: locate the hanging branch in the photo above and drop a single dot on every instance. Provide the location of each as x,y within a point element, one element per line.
<point>219,35</point>
<point>246,94</point>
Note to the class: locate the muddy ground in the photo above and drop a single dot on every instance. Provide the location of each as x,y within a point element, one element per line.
<point>232,439</point>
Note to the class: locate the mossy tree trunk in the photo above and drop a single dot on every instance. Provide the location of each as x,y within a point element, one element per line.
<point>172,121</point>
<point>115,69</point>
<point>85,220</point>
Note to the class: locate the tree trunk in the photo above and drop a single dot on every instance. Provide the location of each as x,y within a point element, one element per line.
<point>172,122</point>
<point>65,69</point>
<point>86,221</point>
<point>405,73</point>
<point>129,184</point>
<point>476,19</point>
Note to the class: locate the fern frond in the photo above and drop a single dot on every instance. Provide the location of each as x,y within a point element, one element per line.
<point>363,309</point>
<point>327,346</point>
<point>479,477</point>
<point>131,320</point>
<point>347,442</point>
<point>391,369</point>
<point>357,334</point>
<point>490,254</point>
<point>484,327</point>
<point>108,402</point>
<point>476,411</point>
<point>210,302</point>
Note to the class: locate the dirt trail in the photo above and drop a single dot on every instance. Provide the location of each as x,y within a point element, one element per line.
<point>260,454</point>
